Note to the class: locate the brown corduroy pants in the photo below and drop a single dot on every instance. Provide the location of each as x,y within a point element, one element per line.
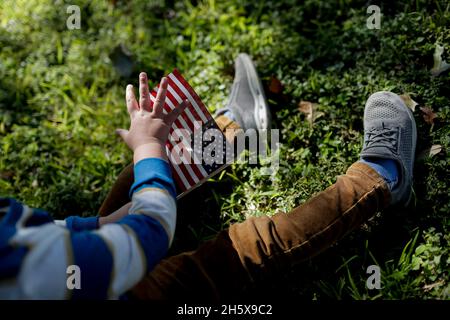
<point>250,251</point>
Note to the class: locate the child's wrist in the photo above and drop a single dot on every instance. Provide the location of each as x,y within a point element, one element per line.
<point>153,149</point>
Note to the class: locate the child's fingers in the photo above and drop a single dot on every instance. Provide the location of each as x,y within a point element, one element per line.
<point>144,94</point>
<point>160,97</point>
<point>173,115</point>
<point>132,104</point>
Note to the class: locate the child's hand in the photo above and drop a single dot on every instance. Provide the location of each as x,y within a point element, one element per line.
<point>149,127</point>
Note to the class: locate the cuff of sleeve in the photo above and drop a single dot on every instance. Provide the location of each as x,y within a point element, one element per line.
<point>78,223</point>
<point>153,172</point>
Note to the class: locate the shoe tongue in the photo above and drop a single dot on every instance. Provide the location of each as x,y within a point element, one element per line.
<point>381,145</point>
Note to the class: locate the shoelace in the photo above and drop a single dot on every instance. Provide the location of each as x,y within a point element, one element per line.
<point>384,137</point>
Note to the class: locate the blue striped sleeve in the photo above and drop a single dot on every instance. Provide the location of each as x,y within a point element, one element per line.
<point>153,173</point>
<point>75,223</point>
<point>110,260</point>
<point>92,255</point>
<point>151,235</point>
<point>115,257</point>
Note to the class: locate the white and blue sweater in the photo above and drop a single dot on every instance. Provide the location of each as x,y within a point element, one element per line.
<point>36,251</point>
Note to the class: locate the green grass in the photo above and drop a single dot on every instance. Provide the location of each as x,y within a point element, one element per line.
<point>61,97</point>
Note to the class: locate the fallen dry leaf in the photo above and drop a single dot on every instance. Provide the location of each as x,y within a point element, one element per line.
<point>439,65</point>
<point>410,103</point>
<point>428,287</point>
<point>435,149</point>
<point>310,110</point>
<point>428,115</point>
<point>275,85</point>
<point>428,153</point>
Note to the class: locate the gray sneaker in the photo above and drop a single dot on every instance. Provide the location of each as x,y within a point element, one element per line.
<point>247,100</point>
<point>390,133</point>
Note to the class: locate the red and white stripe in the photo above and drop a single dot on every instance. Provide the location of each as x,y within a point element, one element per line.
<point>187,172</point>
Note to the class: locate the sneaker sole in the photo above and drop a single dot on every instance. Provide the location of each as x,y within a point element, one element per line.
<point>261,112</point>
